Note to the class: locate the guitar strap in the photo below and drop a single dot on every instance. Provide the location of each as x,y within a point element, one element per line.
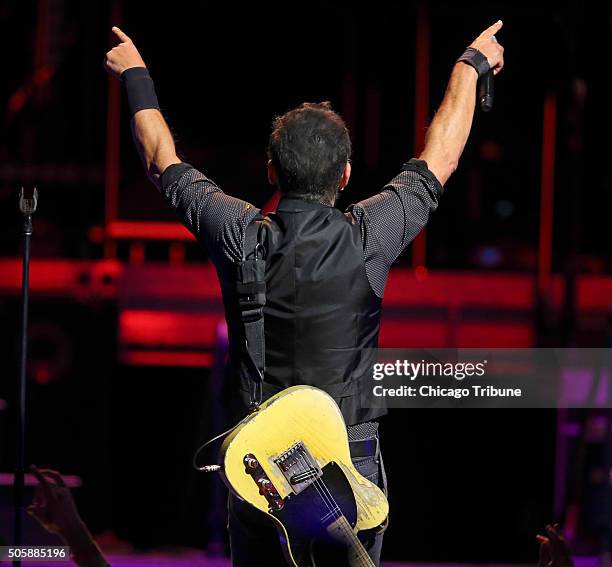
<point>251,290</point>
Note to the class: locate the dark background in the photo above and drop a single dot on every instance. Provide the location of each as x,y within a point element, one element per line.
<point>222,73</point>
<point>465,485</point>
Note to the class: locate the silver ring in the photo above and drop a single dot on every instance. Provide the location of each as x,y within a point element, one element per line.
<point>493,38</point>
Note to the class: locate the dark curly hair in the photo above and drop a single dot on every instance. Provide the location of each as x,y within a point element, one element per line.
<point>309,147</point>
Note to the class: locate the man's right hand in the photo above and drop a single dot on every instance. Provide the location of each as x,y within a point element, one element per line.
<point>489,47</point>
<point>122,56</point>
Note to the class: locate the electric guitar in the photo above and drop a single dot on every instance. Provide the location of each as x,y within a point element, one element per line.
<point>291,460</point>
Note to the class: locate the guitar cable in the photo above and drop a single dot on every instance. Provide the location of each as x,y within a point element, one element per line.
<point>210,468</point>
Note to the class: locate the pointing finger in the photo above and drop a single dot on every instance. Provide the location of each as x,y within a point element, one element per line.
<point>492,30</point>
<point>121,35</point>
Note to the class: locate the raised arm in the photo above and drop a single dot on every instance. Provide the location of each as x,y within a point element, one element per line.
<point>152,136</point>
<point>450,128</point>
<point>391,219</point>
<point>216,219</point>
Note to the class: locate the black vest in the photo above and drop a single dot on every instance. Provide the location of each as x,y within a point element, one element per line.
<point>320,311</point>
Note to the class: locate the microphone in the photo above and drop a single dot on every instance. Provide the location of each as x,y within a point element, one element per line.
<point>485,91</point>
<point>485,88</point>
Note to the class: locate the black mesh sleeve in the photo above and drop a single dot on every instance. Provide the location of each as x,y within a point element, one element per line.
<point>391,219</point>
<point>218,220</point>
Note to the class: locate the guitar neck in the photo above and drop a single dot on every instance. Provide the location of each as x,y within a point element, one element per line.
<point>357,554</point>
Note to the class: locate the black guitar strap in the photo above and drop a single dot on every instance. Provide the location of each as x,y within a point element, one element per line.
<point>251,290</point>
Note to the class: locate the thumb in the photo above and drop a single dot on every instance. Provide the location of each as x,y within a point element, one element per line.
<point>34,512</point>
<point>123,37</point>
<point>492,30</point>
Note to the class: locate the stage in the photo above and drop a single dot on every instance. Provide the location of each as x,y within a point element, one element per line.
<point>199,559</point>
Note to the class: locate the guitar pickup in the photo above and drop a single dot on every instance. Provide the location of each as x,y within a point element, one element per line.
<point>304,476</point>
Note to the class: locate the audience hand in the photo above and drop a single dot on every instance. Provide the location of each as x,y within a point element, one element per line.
<point>54,508</point>
<point>554,551</point>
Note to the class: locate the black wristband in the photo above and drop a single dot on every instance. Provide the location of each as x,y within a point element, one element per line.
<point>140,89</point>
<point>476,59</point>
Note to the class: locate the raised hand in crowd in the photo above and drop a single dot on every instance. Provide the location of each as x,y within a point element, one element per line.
<point>554,551</point>
<point>54,508</point>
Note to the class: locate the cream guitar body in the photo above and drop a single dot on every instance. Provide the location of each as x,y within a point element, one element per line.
<point>290,459</point>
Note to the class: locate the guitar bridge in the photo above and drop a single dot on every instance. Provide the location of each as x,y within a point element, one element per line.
<point>298,467</point>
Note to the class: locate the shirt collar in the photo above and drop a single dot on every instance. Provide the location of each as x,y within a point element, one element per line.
<point>291,204</point>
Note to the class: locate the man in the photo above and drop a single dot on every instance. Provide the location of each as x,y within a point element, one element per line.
<point>326,270</point>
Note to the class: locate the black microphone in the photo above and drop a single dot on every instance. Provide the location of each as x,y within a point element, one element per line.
<point>485,91</point>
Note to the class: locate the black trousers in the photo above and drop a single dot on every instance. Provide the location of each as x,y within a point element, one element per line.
<point>254,539</point>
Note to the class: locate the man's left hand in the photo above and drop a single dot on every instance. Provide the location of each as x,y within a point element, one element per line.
<point>123,56</point>
<point>490,48</point>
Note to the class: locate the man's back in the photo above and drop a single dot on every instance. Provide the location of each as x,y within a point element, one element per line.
<point>326,273</point>
<point>321,310</point>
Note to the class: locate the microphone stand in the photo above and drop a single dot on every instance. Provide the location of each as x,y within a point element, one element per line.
<point>27,208</point>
